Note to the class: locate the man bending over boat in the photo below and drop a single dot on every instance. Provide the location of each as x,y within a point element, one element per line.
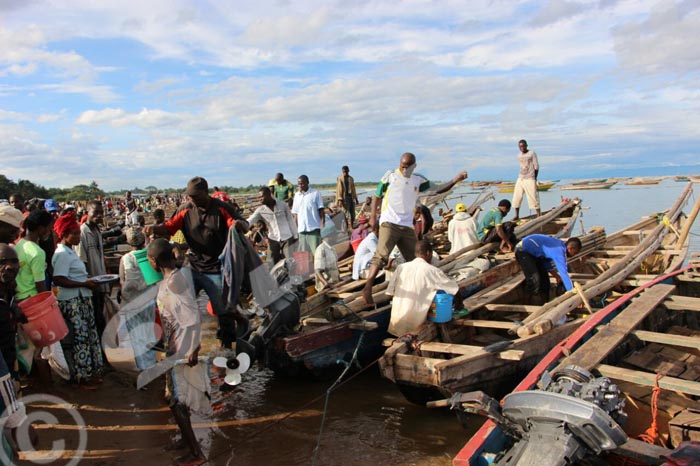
<point>413,286</point>
<point>398,191</point>
<point>536,254</point>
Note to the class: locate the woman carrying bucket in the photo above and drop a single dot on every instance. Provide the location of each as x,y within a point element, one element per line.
<point>81,346</point>
<point>138,301</point>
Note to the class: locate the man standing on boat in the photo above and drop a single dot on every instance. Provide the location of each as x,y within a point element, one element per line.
<point>527,180</point>
<point>345,191</point>
<point>413,287</point>
<point>310,215</point>
<point>281,189</point>
<point>281,227</point>
<point>537,253</point>
<point>398,191</point>
<point>205,223</point>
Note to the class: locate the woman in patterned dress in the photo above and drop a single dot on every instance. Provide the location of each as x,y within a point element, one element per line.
<point>81,346</point>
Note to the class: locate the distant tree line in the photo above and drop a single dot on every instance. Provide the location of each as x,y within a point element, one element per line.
<point>83,192</point>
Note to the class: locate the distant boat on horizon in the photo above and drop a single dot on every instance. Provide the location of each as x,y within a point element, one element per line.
<point>598,185</point>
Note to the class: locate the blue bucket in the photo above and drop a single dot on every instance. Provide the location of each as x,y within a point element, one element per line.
<point>441,308</point>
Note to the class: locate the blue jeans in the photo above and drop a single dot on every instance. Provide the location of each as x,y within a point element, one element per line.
<point>213,286</point>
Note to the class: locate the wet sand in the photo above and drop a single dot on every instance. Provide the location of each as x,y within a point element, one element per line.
<point>368,422</point>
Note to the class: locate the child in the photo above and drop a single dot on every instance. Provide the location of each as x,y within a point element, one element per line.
<point>182,333</point>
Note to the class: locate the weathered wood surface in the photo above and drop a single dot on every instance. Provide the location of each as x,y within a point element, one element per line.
<point>668,339</point>
<point>611,335</point>
<point>644,378</point>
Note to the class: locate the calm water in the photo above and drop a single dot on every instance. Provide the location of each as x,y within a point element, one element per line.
<point>368,422</point>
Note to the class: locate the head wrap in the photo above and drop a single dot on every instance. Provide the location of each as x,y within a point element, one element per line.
<point>135,237</point>
<point>460,208</point>
<point>11,216</point>
<point>362,219</point>
<point>65,223</point>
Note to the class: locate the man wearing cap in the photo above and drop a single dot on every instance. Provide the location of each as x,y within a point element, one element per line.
<point>362,229</point>
<point>205,223</point>
<point>10,223</point>
<point>281,189</point>
<point>345,192</point>
<point>281,227</point>
<point>461,231</point>
<point>398,191</point>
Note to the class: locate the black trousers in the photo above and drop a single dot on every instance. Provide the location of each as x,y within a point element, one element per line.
<point>508,229</point>
<point>349,204</point>
<point>536,274</point>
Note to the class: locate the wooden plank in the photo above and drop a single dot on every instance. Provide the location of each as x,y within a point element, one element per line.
<point>682,303</point>
<point>685,426</point>
<point>644,378</point>
<point>453,348</point>
<point>610,336</point>
<point>511,307</point>
<point>674,340</point>
<point>484,323</point>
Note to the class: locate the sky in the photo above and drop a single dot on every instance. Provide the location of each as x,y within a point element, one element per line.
<point>139,93</point>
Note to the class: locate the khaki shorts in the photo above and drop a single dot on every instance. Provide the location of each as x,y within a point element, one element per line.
<point>529,187</point>
<point>391,235</point>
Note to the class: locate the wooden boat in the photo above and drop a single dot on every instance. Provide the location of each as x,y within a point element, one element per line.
<point>681,178</point>
<point>645,349</point>
<point>590,181</point>
<point>579,186</point>
<point>510,187</point>
<point>643,181</point>
<point>469,358</point>
<point>332,331</point>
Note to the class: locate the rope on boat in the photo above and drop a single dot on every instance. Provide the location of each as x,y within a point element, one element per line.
<point>651,435</point>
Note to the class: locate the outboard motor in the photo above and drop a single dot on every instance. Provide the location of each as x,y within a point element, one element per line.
<point>572,416</point>
<point>280,318</point>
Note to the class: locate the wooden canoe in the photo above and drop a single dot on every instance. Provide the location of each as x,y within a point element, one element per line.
<point>579,186</point>
<point>541,186</point>
<point>647,338</point>
<point>468,362</point>
<point>332,332</point>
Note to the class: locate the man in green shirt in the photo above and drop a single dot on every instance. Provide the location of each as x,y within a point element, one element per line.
<point>492,228</point>
<point>282,189</point>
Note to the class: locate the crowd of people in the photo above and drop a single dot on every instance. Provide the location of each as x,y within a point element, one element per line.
<point>204,247</point>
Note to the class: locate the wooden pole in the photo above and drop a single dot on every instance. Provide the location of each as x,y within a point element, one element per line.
<point>688,224</point>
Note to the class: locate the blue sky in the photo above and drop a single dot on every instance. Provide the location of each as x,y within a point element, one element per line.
<point>138,93</point>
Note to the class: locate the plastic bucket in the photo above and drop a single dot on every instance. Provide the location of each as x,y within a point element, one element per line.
<point>46,325</point>
<point>355,244</point>
<point>441,308</point>
<point>149,274</point>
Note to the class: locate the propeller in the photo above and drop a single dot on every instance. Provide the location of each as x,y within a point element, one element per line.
<point>234,367</point>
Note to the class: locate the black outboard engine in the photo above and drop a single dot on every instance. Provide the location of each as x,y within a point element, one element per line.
<point>572,415</point>
<point>280,318</point>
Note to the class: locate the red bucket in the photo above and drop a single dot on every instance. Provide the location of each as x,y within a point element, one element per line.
<point>46,325</point>
<point>355,244</point>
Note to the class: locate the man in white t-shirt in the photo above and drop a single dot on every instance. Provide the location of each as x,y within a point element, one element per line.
<point>527,180</point>
<point>398,191</point>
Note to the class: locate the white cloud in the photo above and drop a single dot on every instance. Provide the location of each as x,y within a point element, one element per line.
<point>117,117</point>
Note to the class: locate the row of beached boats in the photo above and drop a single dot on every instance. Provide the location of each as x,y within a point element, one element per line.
<point>501,336</point>
<point>587,184</point>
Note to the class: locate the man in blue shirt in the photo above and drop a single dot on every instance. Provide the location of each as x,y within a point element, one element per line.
<point>539,255</point>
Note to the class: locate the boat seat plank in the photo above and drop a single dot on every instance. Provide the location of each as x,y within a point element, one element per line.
<point>674,340</point>
<point>682,303</point>
<point>454,348</point>
<point>642,451</point>
<point>511,307</point>
<point>610,336</point>
<point>484,323</point>
<point>689,387</point>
